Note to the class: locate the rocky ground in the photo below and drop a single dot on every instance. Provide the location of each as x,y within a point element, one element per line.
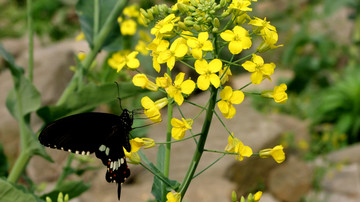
<point>289,181</point>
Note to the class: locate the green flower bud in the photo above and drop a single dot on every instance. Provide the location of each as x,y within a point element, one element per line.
<point>222,3</point>
<point>144,13</point>
<point>215,30</point>
<point>197,27</point>
<point>242,199</point>
<point>182,26</point>
<point>189,22</point>
<point>216,22</point>
<point>233,196</point>
<point>193,2</point>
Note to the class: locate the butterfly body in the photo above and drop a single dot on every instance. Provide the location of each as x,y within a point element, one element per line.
<point>102,133</point>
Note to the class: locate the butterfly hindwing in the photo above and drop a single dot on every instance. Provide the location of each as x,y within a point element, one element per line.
<point>102,133</point>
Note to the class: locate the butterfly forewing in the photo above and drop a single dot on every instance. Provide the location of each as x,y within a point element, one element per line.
<point>102,133</point>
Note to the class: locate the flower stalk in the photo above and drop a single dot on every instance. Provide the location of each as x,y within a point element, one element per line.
<point>200,146</point>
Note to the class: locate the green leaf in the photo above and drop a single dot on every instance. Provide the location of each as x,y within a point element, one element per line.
<point>88,98</point>
<point>73,188</point>
<point>4,166</point>
<point>30,98</point>
<point>15,70</point>
<point>86,12</point>
<point>8,192</point>
<point>156,189</point>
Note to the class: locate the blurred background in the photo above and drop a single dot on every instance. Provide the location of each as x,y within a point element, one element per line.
<point>319,125</point>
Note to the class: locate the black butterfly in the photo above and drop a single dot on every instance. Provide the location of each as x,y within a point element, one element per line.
<point>102,133</point>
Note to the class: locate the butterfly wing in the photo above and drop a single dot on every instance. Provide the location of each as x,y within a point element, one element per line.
<point>102,133</point>
<point>80,133</point>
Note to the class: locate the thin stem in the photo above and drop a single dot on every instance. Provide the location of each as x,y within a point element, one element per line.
<point>168,139</point>
<point>222,123</point>
<point>98,42</point>
<point>64,174</point>
<point>96,19</point>
<point>200,146</point>
<point>248,84</point>
<point>213,163</point>
<point>19,166</point>
<point>30,39</point>
<point>176,141</point>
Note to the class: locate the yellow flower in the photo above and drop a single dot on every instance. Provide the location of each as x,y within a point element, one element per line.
<point>228,98</point>
<point>157,46</point>
<point>263,26</point>
<point>257,196</point>
<point>173,197</point>
<point>131,11</point>
<point>180,86</point>
<point>164,82</point>
<point>142,47</point>
<point>207,73</point>
<point>81,56</point>
<point>236,146</point>
<point>224,76</point>
<point>177,50</point>
<point>277,153</point>
<point>180,127</point>
<point>199,44</point>
<point>133,157</point>
<point>258,69</point>
<point>238,39</point>
<point>270,39</point>
<point>152,109</point>
<point>165,26</point>
<point>142,81</point>
<point>80,36</point>
<point>278,94</point>
<point>128,27</point>
<point>137,143</point>
<point>122,58</point>
<point>241,5</point>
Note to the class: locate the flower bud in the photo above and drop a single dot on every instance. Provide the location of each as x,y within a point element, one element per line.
<point>216,22</point>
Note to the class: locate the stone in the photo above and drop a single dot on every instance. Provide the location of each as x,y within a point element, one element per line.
<point>291,180</point>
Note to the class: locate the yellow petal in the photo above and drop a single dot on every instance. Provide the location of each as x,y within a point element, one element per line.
<point>226,93</point>
<point>256,77</point>
<point>237,97</point>
<point>258,60</point>
<point>249,66</point>
<point>207,46</point>
<point>235,47</point>
<point>179,79</point>
<point>268,69</point>
<point>227,35</point>
<point>201,66</point>
<point>223,107</point>
<point>203,36</point>
<point>187,87</point>
<point>215,80</point>
<point>203,83</point>
<point>215,65</point>
<point>196,53</point>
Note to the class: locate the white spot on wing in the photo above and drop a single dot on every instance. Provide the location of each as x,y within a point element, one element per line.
<point>102,147</point>
<point>107,151</point>
<point>88,153</point>
<point>76,152</point>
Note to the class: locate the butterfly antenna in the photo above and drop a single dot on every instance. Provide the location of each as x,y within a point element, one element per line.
<point>118,91</point>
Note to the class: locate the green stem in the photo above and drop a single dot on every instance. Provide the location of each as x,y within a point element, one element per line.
<point>64,174</point>
<point>96,19</point>
<point>98,42</point>
<point>31,39</point>
<point>200,146</point>
<point>25,153</point>
<point>19,166</point>
<point>168,145</point>
<point>209,165</point>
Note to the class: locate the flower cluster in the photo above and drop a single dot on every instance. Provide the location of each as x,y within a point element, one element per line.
<point>196,33</point>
